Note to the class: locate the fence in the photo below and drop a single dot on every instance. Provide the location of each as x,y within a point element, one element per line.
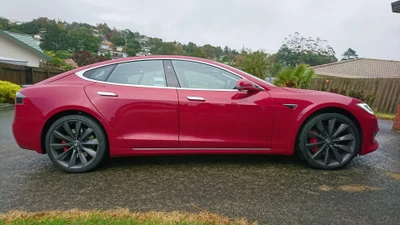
<point>381,94</point>
<point>25,75</point>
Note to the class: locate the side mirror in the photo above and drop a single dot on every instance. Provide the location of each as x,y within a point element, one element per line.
<point>246,85</point>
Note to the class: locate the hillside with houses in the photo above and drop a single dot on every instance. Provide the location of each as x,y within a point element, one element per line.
<point>84,44</point>
<point>77,41</point>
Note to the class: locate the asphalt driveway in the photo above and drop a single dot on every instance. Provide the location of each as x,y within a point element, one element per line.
<point>267,189</point>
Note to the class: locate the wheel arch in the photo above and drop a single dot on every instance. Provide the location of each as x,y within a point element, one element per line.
<point>63,113</point>
<point>329,109</point>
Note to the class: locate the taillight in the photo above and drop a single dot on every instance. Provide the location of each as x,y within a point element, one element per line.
<point>19,98</point>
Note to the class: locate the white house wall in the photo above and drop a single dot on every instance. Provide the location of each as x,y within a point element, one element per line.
<point>9,49</point>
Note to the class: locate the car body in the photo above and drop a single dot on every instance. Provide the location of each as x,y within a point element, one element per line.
<point>167,105</point>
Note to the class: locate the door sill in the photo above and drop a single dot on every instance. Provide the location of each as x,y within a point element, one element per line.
<point>201,149</point>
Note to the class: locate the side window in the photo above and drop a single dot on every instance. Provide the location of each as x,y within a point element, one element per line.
<point>201,76</point>
<point>100,73</point>
<point>149,73</point>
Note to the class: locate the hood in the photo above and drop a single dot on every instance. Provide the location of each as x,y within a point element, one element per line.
<point>323,94</point>
<point>306,91</point>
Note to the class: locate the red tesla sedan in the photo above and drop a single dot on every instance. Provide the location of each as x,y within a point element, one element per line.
<point>159,105</point>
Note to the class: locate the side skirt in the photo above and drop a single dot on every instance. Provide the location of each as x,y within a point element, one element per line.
<point>201,149</point>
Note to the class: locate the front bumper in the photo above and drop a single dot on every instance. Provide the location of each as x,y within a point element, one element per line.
<point>369,128</point>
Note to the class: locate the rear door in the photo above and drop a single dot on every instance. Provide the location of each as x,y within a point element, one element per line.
<point>136,101</point>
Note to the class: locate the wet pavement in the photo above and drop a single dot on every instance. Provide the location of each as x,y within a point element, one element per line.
<point>266,189</point>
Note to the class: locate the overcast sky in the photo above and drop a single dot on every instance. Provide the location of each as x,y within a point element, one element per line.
<point>367,26</point>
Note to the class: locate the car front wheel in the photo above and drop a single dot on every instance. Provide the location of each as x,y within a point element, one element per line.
<point>76,143</point>
<point>329,141</point>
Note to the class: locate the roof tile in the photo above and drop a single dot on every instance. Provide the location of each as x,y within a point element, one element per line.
<point>361,68</point>
<point>27,39</point>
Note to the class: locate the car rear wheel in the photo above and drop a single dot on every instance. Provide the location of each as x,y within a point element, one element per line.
<point>329,141</point>
<point>76,143</point>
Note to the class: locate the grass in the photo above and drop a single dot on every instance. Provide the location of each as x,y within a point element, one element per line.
<point>385,116</point>
<point>120,216</point>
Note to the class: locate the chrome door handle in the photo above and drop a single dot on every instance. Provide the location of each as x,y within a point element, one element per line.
<point>195,98</point>
<point>108,94</point>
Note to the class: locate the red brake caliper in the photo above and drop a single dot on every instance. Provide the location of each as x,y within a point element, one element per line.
<point>65,148</point>
<point>314,140</point>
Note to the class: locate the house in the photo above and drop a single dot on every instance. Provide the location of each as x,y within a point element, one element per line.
<point>106,45</point>
<point>118,54</point>
<point>95,33</point>
<point>71,62</point>
<point>143,54</point>
<point>360,68</point>
<point>143,39</point>
<point>20,49</point>
<point>37,38</point>
<point>119,48</point>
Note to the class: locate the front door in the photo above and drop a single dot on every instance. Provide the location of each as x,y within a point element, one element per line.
<point>213,114</point>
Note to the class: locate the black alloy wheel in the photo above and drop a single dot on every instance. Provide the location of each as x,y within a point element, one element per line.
<point>329,141</point>
<point>76,143</point>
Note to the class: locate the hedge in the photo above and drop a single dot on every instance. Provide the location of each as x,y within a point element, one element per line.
<point>8,91</point>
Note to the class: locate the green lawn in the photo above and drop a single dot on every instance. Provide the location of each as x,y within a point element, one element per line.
<point>121,216</point>
<point>385,116</point>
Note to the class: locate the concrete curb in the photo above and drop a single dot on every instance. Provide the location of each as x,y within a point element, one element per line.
<point>6,106</point>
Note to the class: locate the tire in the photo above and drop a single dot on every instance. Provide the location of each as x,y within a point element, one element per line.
<point>72,151</point>
<point>329,141</point>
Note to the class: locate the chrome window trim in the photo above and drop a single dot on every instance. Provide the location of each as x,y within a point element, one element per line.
<point>80,74</point>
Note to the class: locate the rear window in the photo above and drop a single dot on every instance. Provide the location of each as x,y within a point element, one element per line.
<point>100,73</point>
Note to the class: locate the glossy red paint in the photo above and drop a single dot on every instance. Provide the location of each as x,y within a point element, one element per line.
<point>246,85</point>
<point>167,121</point>
<point>150,115</point>
<point>223,119</point>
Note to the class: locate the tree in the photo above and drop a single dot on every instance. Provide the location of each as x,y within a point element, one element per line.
<point>4,24</point>
<point>298,77</point>
<point>296,50</point>
<point>118,40</point>
<point>83,58</point>
<point>198,52</point>
<point>158,47</point>
<point>55,38</point>
<point>103,28</point>
<point>273,67</point>
<point>193,50</point>
<point>210,51</point>
<point>43,22</point>
<point>29,27</point>
<point>108,55</point>
<point>133,44</point>
<point>349,54</point>
<point>130,51</point>
<point>253,63</point>
<point>82,39</point>
<point>56,62</point>
<point>63,54</point>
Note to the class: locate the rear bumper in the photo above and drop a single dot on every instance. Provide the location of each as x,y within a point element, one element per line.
<point>27,133</point>
<point>369,128</point>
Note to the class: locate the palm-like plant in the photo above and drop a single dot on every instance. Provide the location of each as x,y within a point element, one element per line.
<point>298,77</point>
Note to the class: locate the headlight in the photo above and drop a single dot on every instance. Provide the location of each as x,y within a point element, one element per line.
<point>366,107</point>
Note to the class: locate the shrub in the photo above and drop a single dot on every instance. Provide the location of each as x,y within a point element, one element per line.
<point>8,91</point>
<point>298,77</point>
